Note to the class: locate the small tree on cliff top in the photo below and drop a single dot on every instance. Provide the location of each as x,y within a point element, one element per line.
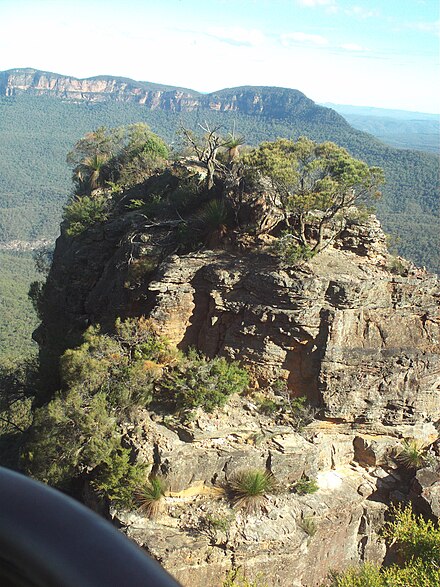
<point>126,155</point>
<point>307,177</point>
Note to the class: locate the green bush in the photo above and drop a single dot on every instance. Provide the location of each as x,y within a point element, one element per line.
<point>290,252</point>
<point>268,406</point>
<point>419,544</point>
<point>415,537</point>
<point>150,497</point>
<point>235,578</point>
<point>213,216</point>
<point>78,433</point>
<point>85,211</point>
<point>308,525</point>
<point>201,382</point>
<point>367,575</point>
<point>215,526</point>
<point>413,454</point>
<point>305,486</point>
<point>397,266</point>
<point>117,478</point>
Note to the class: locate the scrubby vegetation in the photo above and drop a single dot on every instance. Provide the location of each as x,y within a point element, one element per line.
<point>413,454</point>
<point>200,382</point>
<point>78,433</point>
<point>305,486</point>
<point>150,497</point>
<point>85,211</point>
<point>236,578</point>
<point>418,543</point>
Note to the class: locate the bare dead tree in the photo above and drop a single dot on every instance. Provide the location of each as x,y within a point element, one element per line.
<point>207,151</point>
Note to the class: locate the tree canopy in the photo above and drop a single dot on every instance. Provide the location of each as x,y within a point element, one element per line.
<point>308,177</point>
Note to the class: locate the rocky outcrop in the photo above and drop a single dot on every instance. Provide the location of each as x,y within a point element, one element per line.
<point>360,342</point>
<point>295,540</point>
<point>275,102</point>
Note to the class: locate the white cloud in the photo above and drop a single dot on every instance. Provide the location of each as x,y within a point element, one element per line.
<point>361,12</point>
<point>237,35</point>
<point>353,47</point>
<point>425,27</point>
<point>330,6</point>
<point>298,37</point>
<point>313,3</point>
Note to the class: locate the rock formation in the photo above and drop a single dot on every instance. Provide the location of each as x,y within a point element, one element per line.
<point>275,102</point>
<point>360,342</point>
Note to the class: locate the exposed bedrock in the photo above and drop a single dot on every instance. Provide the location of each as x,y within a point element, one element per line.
<point>360,342</point>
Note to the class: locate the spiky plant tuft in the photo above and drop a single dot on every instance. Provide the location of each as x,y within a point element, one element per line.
<point>150,497</point>
<point>412,454</point>
<point>249,489</point>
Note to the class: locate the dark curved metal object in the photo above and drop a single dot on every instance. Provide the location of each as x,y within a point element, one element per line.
<point>49,540</point>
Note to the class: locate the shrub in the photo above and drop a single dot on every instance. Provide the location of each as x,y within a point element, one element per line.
<point>235,578</point>
<point>290,252</point>
<point>367,575</point>
<point>308,525</point>
<point>419,544</point>
<point>73,435</point>
<point>248,489</point>
<point>298,412</point>
<point>397,266</point>
<point>78,433</point>
<point>213,217</point>
<point>416,537</point>
<point>201,382</point>
<point>117,478</point>
<point>150,497</point>
<point>213,526</point>
<point>268,406</point>
<point>85,211</point>
<point>305,486</point>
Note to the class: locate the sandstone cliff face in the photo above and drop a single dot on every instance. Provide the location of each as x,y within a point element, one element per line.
<point>277,102</point>
<point>361,343</point>
<point>99,89</point>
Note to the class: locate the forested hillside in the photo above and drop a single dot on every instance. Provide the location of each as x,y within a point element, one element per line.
<point>398,128</point>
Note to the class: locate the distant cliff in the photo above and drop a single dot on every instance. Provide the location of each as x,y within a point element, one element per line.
<point>275,102</point>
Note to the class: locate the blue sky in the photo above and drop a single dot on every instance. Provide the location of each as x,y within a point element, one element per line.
<point>372,53</point>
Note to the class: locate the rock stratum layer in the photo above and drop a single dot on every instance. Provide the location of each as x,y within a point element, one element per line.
<point>361,343</point>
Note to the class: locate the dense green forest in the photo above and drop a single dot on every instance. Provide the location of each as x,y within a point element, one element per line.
<point>35,181</point>
<point>18,317</point>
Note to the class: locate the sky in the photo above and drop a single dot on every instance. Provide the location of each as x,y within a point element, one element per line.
<point>381,53</point>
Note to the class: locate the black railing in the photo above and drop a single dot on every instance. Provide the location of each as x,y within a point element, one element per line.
<point>49,540</point>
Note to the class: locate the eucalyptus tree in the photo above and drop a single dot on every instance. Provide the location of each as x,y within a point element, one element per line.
<point>313,184</point>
